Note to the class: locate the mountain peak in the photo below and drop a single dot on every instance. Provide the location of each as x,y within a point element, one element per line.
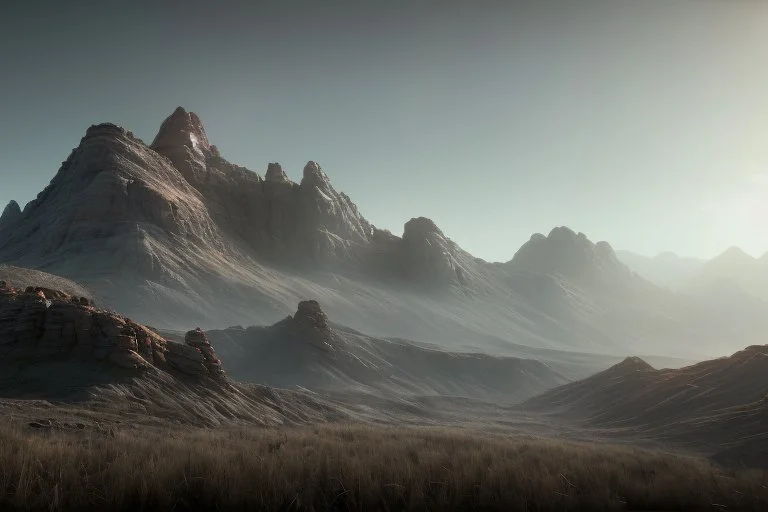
<point>563,233</point>
<point>570,254</point>
<point>632,363</point>
<point>314,175</point>
<point>181,129</point>
<point>734,254</point>
<point>421,227</point>
<point>275,173</point>
<point>10,215</point>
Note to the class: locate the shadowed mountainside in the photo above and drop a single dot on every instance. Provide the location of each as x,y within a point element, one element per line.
<point>305,350</point>
<point>720,405</point>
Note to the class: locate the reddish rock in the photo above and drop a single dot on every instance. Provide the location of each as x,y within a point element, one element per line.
<point>43,324</point>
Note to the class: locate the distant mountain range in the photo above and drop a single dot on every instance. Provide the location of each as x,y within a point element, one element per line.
<point>174,235</point>
<point>666,269</point>
<point>733,272</point>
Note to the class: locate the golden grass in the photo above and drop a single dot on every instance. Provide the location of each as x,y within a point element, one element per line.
<point>352,468</point>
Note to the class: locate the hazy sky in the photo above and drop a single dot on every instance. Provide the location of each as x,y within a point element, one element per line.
<point>643,123</point>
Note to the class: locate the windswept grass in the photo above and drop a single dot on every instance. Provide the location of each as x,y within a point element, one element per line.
<point>352,468</point>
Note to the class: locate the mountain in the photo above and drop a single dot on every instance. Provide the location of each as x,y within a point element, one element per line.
<point>733,272</point>
<point>572,256</point>
<point>307,351</point>
<point>718,404</point>
<point>173,234</point>
<point>667,269</point>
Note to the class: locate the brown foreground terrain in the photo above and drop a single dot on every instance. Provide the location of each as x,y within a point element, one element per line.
<point>57,466</point>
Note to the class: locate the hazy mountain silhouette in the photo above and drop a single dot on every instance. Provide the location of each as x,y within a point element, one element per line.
<point>667,269</point>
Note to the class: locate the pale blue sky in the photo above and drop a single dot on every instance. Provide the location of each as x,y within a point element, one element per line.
<point>640,123</point>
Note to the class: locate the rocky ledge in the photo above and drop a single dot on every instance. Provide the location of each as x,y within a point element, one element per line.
<point>39,324</point>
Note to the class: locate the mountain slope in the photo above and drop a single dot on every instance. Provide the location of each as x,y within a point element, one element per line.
<point>718,404</point>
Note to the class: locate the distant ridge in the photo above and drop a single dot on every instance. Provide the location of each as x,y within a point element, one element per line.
<point>716,403</point>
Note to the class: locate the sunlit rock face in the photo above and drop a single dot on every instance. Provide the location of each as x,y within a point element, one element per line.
<point>301,223</point>
<point>39,325</point>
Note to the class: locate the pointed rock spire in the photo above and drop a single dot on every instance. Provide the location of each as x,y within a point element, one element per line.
<point>11,214</point>
<point>275,173</point>
<point>181,129</point>
<point>314,175</point>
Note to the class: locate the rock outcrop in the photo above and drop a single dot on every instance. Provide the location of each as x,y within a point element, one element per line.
<point>307,327</point>
<point>10,216</point>
<point>199,341</point>
<point>39,324</point>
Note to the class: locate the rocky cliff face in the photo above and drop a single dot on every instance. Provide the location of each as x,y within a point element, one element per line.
<point>39,325</point>
<point>148,207</point>
<point>300,223</point>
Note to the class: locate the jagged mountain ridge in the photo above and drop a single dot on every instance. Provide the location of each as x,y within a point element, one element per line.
<point>174,234</point>
<point>732,273</point>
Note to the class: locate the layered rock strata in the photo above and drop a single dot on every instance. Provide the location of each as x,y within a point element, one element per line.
<point>39,324</point>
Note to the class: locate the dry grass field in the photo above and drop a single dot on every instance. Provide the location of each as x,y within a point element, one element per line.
<point>348,467</point>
